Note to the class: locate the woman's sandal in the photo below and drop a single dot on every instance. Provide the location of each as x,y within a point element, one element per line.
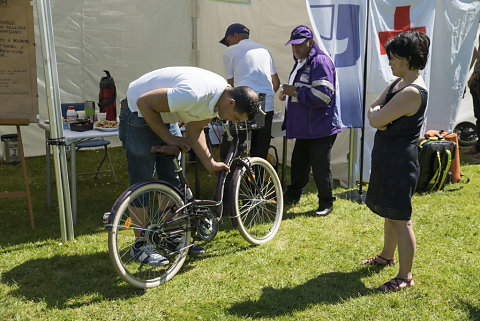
<point>396,284</point>
<point>373,261</point>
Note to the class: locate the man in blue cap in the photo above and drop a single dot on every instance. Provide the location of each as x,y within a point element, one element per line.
<point>250,64</point>
<point>310,118</point>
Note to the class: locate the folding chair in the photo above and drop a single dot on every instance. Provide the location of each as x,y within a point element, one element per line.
<point>92,143</point>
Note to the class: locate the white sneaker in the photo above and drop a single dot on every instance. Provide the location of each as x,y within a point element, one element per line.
<point>147,254</point>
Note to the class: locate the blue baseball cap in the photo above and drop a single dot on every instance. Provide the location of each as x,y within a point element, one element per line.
<point>299,35</point>
<point>232,29</point>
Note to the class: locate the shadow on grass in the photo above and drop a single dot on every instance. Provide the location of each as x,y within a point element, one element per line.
<point>288,215</point>
<point>328,288</point>
<point>66,282</point>
<point>473,311</point>
<point>218,252</point>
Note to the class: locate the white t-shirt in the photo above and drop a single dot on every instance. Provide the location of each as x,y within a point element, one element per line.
<point>192,92</point>
<point>250,64</point>
<point>293,75</point>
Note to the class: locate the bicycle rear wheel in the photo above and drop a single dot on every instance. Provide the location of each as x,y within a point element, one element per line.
<point>142,212</point>
<point>258,214</point>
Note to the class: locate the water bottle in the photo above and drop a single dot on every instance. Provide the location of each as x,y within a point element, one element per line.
<point>71,115</point>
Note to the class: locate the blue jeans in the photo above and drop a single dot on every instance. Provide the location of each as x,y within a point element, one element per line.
<point>137,138</point>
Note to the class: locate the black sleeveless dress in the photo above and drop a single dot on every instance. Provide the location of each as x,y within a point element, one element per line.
<point>394,166</point>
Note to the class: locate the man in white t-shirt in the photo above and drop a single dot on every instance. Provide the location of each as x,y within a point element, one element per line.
<point>250,64</point>
<point>155,103</point>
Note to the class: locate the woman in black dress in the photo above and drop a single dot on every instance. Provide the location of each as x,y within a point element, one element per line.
<point>398,115</point>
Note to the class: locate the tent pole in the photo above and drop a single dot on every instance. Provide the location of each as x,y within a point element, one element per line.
<point>352,157</point>
<point>362,138</point>
<point>56,127</point>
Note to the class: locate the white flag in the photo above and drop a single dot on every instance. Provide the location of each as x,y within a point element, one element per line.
<point>388,19</point>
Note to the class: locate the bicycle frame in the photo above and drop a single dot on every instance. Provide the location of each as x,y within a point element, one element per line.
<point>217,201</point>
<point>169,219</point>
<point>190,202</point>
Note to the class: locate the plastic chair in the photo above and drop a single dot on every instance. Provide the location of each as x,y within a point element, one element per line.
<point>92,143</point>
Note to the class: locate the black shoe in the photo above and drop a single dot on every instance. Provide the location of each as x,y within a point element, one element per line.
<point>324,211</point>
<point>197,250</point>
<point>290,200</point>
<point>175,244</point>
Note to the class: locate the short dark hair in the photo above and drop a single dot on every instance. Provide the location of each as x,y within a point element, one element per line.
<point>246,100</point>
<point>412,45</point>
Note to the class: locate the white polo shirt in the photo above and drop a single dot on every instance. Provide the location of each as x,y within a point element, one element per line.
<point>250,64</point>
<point>192,92</point>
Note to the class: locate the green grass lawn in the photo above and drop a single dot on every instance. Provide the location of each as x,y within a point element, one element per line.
<point>310,271</point>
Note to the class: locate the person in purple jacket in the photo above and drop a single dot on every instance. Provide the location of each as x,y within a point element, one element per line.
<point>311,118</point>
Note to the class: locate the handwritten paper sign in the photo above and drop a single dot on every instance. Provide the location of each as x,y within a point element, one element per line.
<point>18,71</point>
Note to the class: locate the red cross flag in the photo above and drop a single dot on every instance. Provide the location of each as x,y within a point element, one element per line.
<point>388,19</point>
<point>451,26</point>
<point>401,23</point>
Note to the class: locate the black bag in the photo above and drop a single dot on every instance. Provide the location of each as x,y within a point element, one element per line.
<point>435,156</point>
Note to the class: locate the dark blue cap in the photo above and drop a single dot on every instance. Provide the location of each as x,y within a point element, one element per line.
<point>232,29</point>
<point>299,35</point>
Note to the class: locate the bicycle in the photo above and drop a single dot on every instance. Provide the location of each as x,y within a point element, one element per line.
<point>168,217</point>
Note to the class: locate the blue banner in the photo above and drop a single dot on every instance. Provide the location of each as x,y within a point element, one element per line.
<point>340,30</point>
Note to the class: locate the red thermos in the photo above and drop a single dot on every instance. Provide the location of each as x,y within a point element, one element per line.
<point>108,96</point>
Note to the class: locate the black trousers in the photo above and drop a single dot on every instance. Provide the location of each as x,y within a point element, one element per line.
<point>475,91</point>
<point>312,154</point>
<point>260,139</point>
<point>259,147</point>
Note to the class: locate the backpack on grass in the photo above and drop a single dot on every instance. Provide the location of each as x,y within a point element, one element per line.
<point>455,167</point>
<point>435,156</point>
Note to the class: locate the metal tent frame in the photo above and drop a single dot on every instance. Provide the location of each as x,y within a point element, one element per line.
<point>57,140</point>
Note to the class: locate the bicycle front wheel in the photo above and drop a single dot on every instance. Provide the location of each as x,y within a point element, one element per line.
<point>143,213</point>
<point>258,211</point>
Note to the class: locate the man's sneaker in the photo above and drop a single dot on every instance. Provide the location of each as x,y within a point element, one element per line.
<point>197,250</point>
<point>175,244</point>
<point>147,254</point>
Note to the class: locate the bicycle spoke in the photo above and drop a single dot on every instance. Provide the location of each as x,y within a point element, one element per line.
<point>144,215</point>
<point>258,211</point>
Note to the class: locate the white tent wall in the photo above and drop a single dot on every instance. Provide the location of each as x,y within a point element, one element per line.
<point>270,23</point>
<point>128,38</point>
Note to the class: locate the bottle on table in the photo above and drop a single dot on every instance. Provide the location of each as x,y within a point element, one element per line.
<point>71,115</point>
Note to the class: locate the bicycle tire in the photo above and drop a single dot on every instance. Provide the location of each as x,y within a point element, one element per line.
<point>121,236</point>
<point>258,218</point>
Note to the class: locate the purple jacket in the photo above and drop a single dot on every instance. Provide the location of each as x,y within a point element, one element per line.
<point>313,113</point>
